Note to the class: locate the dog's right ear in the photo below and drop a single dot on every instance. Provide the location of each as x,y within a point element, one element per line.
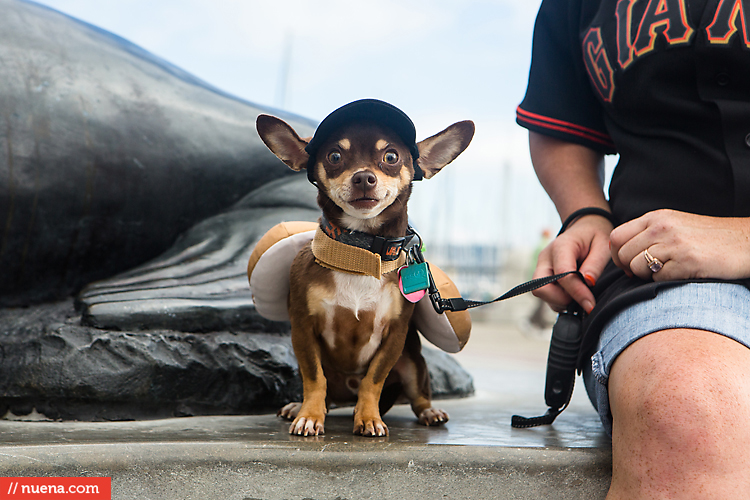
<point>283,141</point>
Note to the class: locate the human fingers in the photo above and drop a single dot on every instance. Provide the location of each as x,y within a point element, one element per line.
<point>621,236</point>
<point>596,260</point>
<point>643,246</point>
<point>584,247</point>
<point>687,245</point>
<point>553,294</point>
<point>578,292</point>
<point>630,253</point>
<point>591,269</point>
<point>576,288</point>
<point>652,263</point>
<point>565,258</point>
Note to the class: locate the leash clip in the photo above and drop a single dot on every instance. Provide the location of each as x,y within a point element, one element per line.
<point>437,302</point>
<point>442,305</point>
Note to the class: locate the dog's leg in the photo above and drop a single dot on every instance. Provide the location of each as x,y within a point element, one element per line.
<point>311,414</point>
<point>367,419</point>
<point>415,380</point>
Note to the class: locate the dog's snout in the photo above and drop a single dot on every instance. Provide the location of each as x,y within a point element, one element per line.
<point>364,180</point>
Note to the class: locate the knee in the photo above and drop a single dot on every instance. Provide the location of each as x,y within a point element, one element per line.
<point>680,407</point>
<point>687,409</point>
<point>684,397</point>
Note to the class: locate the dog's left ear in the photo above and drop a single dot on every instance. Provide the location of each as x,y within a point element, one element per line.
<point>283,141</point>
<point>439,150</point>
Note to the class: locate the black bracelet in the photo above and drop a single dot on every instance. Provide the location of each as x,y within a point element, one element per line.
<point>587,211</point>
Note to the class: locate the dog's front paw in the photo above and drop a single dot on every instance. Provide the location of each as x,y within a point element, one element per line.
<point>370,427</point>
<point>433,416</point>
<point>307,426</point>
<point>289,411</point>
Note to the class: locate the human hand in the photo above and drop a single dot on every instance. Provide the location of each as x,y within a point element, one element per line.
<point>584,246</point>
<point>688,246</point>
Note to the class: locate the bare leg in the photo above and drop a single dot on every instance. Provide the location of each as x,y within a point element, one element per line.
<point>680,401</point>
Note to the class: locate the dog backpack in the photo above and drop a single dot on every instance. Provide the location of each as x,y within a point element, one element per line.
<point>268,274</point>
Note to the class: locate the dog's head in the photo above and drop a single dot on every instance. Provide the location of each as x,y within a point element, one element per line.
<point>363,159</point>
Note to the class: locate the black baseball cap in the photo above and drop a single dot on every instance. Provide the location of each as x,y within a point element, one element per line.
<point>374,110</point>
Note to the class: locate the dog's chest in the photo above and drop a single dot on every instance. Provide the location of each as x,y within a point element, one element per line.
<point>361,293</point>
<point>355,314</point>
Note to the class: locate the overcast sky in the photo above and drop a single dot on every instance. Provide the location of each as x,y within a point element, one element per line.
<point>440,61</point>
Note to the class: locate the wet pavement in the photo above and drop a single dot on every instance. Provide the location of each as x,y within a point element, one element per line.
<point>475,455</point>
<point>477,421</point>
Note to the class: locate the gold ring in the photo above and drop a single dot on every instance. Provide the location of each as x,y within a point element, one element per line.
<point>654,264</point>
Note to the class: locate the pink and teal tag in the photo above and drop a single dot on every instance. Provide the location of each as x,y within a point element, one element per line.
<point>413,281</point>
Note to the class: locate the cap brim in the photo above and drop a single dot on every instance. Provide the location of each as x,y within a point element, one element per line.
<point>373,110</point>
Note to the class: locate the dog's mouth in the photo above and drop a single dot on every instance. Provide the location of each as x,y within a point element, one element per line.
<point>364,203</point>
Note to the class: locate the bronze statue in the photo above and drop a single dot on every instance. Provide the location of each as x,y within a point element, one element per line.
<point>108,156</point>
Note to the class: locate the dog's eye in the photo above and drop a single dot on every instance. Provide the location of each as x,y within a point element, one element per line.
<point>391,157</point>
<point>334,157</point>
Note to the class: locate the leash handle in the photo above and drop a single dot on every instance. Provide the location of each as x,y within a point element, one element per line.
<point>567,336</point>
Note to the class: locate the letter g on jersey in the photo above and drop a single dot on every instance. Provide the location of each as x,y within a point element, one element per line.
<point>597,64</point>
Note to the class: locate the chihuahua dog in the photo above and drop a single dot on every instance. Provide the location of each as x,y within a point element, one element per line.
<point>350,319</point>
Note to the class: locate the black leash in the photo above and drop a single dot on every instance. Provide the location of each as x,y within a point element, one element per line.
<point>564,347</point>
<point>566,341</point>
<point>455,304</point>
<point>567,334</point>
<point>460,304</point>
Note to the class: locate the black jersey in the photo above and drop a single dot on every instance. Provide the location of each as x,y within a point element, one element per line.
<point>664,83</point>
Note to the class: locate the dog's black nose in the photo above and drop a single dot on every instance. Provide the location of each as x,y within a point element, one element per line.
<point>364,180</point>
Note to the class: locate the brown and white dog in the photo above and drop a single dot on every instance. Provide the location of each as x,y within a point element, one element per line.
<point>351,328</point>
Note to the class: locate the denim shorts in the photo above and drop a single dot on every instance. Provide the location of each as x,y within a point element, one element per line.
<point>723,308</point>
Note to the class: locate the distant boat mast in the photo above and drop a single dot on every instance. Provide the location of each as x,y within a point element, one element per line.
<point>282,86</point>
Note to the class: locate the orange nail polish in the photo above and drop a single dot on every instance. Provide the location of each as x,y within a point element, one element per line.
<point>590,281</point>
